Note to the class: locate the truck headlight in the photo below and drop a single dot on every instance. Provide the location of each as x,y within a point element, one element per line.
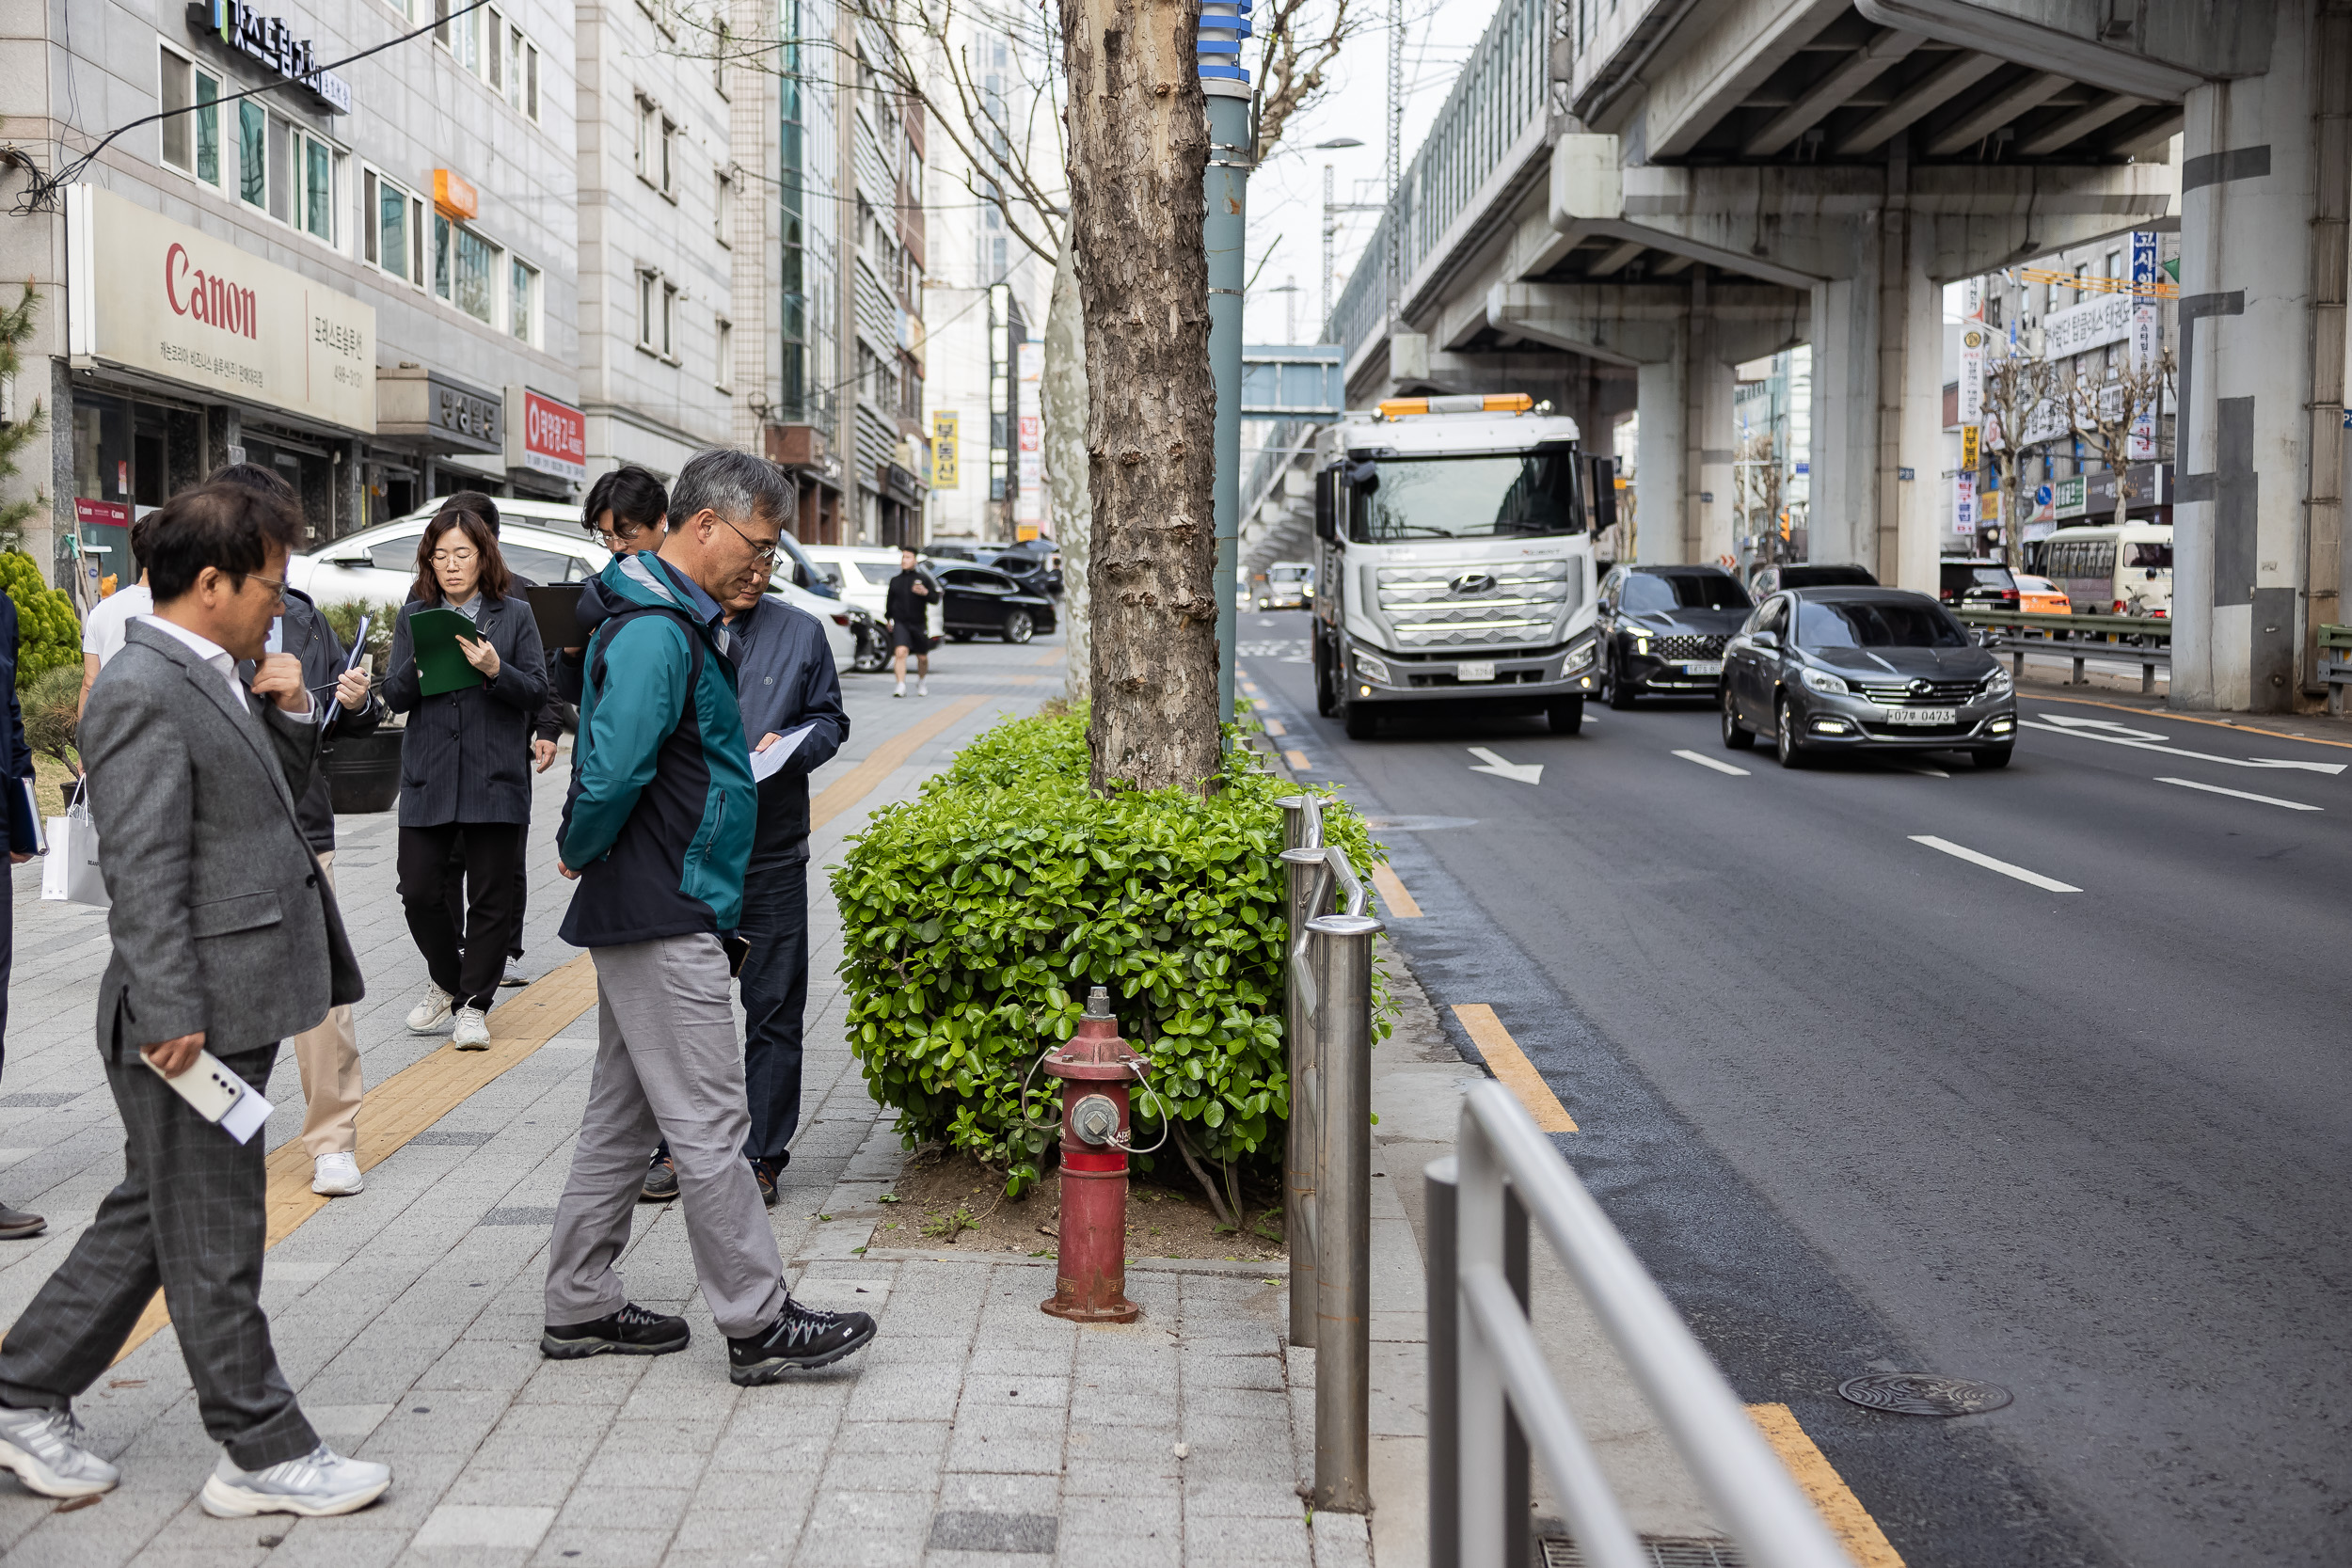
<point>1822,680</point>
<point>1373,669</point>
<point>1580,657</point>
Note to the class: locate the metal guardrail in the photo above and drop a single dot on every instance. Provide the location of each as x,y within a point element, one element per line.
<point>2081,638</point>
<point>2335,668</point>
<point>1328,1169</point>
<point>1499,1379</point>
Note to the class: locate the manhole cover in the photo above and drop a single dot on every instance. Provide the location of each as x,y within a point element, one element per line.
<point>1923,1394</point>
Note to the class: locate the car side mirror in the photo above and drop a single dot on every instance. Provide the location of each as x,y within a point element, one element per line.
<point>799,576</point>
<point>354,562</point>
<point>1765,639</point>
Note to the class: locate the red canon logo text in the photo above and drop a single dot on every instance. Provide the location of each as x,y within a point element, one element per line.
<point>213,300</point>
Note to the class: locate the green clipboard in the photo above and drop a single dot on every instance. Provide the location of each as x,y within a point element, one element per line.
<point>440,662</point>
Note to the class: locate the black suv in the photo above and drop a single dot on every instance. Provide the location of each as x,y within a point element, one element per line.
<point>1977,582</point>
<point>1662,630</point>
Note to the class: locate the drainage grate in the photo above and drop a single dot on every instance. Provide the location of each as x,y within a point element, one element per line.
<point>968,1531</point>
<point>1662,1551</point>
<point>1923,1394</point>
<point>450,1135</point>
<point>519,1216</point>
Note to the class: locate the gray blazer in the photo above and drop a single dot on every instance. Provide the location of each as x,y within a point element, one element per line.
<point>220,920</point>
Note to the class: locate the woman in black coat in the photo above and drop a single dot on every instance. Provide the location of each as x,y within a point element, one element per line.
<point>464,772</point>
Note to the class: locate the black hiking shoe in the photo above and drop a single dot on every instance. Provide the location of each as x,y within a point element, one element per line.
<point>631,1331</point>
<point>660,1181</point>
<point>802,1337</point>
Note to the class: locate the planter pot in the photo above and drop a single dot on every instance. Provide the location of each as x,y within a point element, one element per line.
<point>363,771</point>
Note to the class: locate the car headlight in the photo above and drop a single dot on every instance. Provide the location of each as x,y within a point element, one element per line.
<point>1580,657</point>
<point>1822,680</point>
<point>1373,669</point>
<point>1997,684</point>
<point>1641,644</point>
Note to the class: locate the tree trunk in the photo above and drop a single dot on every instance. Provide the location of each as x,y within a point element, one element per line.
<point>1065,390</point>
<point>1139,147</point>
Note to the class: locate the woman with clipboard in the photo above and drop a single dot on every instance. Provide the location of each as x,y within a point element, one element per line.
<point>468,669</point>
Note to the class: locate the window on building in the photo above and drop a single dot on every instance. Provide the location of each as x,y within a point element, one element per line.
<point>393,227</point>
<point>725,377</point>
<point>648,136</point>
<point>723,208</point>
<point>668,181</point>
<point>494,50</point>
<point>252,154</point>
<point>465,269</point>
<point>722,41</point>
<point>191,138</point>
<point>669,320</point>
<point>522,301</point>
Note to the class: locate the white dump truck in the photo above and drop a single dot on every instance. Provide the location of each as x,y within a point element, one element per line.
<point>1455,559</point>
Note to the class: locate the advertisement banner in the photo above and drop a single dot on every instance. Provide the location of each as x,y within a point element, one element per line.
<point>201,312</point>
<point>2146,319</point>
<point>1974,335</point>
<point>2101,320</point>
<point>546,435</point>
<point>1964,503</point>
<point>947,448</point>
<point>1971,447</point>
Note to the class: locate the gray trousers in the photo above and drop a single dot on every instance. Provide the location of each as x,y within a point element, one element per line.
<point>668,1066</point>
<point>189,1216</point>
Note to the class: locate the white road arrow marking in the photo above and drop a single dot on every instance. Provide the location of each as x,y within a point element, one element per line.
<point>1525,772</point>
<point>1976,858</point>
<point>1705,761</point>
<point>2074,721</point>
<point>2241,795</point>
<point>2329,768</point>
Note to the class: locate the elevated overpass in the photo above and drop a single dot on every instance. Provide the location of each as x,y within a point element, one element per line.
<point>1621,199</point>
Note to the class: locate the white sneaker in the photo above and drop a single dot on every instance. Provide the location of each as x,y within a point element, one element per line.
<point>901,691</point>
<point>473,1030</point>
<point>431,1011</point>
<point>320,1482</point>
<point>336,1176</point>
<point>44,1448</point>
<point>923,687</point>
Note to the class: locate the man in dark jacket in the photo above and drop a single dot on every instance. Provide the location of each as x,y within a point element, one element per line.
<point>23,824</point>
<point>908,605</point>
<point>657,828</point>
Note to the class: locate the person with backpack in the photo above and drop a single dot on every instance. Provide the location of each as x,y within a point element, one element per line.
<point>657,828</point>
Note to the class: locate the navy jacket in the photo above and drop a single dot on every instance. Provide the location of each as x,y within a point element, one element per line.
<point>309,639</point>
<point>24,821</point>
<point>785,678</point>
<point>467,757</point>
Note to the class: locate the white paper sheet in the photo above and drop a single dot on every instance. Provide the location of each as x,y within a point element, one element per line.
<point>767,763</point>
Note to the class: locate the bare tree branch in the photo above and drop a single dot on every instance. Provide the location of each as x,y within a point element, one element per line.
<point>2102,412</point>
<point>1290,71</point>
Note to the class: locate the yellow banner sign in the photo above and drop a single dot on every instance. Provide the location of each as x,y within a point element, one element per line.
<point>947,449</point>
<point>1971,445</point>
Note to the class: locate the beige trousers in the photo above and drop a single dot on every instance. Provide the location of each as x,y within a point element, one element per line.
<point>329,1058</point>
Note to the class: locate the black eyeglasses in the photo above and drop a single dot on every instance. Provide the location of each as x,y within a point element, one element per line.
<point>276,586</point>
<point>765,554</point>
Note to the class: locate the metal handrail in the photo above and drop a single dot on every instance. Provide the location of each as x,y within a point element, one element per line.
<point>1765,1512</point>
<point>2097,626</point>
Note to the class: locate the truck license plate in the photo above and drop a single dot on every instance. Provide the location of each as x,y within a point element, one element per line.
<point>1482,670</point>
<point>1703,667</point>
<point>1922,715</point>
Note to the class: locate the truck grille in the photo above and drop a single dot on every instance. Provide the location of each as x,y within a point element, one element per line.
<point>1475,603</point>
<point>1900,693</point>
<point>1688,648</point>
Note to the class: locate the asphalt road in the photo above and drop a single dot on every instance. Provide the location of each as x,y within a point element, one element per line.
<point>1863,1105</point>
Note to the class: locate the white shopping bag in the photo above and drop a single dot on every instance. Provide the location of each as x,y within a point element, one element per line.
<point>70,873</point>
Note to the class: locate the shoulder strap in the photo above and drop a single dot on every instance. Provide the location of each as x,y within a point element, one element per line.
<point>605,633</point>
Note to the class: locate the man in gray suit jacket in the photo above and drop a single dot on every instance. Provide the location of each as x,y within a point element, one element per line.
<point>225,938</point>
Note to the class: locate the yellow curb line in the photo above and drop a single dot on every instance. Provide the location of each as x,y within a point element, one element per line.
<point>1296,758</point>
<point>1510,1066</point>
<point>1395,901</point>
<point>1840,1510</point>
<point>1051,656</point>
<point>883,760</point>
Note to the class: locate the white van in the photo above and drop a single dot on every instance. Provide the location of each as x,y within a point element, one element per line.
<point>2108,570</point>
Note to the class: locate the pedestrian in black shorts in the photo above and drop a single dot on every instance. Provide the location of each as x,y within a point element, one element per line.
<point>912,595</point>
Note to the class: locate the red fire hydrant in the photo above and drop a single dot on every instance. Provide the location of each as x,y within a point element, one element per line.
<point>1090,1264</point>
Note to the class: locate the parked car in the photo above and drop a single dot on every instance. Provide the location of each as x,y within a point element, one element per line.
<point>1865,668</point>
<point>1036,570</point>
<point>1977,582</point>
<point>981,601</point>
<point>1289,585</point>
<point>2041,596</point>
<point>1769,580</point>
<point>861,575</point>
<point>1662,630</point>
<point>542,540</point>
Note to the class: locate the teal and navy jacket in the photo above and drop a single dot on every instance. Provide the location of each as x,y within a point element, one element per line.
<point>659,818</point>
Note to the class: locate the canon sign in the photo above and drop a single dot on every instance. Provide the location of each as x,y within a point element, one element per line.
<point>207,297</point>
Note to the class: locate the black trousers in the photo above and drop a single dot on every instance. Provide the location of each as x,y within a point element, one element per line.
<point>190,1216</point>
<point>456,897</point>
<point>466,964</point>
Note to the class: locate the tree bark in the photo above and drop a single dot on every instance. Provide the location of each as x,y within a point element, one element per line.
<point>1139,147</point>
<point>1065,390</point>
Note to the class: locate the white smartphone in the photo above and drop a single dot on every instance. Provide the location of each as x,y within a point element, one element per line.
<point>219,1096</point>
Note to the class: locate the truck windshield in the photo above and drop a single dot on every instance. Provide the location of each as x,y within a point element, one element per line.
<point>1514,495</point>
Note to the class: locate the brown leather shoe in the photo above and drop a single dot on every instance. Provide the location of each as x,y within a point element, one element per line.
<point>18,1225</point>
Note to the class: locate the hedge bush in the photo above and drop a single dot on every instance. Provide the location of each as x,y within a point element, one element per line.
<point>48,633</point>
<point>975,916</point>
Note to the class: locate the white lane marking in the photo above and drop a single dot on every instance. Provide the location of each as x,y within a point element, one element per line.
<point>1705,761</point>
<point>1525,772</point>
<point>2073,721</point>
<point>2329,768</point>
<point>1961,851</point>
<point>1919,767</point>
<point>2241,795</point>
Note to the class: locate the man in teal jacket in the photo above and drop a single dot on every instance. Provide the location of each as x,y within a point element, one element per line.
<point>657,828</point>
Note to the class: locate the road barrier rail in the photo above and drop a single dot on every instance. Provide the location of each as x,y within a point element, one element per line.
<point>2335,665</point>
<point>2017,633</point>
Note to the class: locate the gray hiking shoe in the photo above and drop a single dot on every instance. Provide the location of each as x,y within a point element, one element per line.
<point>44,1448</point>
<point>320,1482</point>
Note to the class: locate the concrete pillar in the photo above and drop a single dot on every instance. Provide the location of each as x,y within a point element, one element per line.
<point>1713,508</point>
<point>1926,497</point>
<point>1661,478</point>
<point>1844,460</point>
<point>2257,547</point>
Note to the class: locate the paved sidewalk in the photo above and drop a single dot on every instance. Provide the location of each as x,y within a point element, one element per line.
<point>975,1430</point>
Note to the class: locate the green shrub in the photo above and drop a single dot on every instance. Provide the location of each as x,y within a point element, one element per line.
<point>343,616</point>
<point>52,711</point>
<point>48,633</point>
<point>975,916</point>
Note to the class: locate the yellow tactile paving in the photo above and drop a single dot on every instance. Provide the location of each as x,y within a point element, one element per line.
<point>1840,1510</point>
<point>883,760</point>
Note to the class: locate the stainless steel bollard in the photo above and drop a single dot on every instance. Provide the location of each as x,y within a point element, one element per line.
<point>1341,948</point>
<point>1442,1302</point>
<point>1309,890</point>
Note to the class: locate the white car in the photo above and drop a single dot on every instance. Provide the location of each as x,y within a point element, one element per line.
<point>862,574</point>
<point>541,540</point>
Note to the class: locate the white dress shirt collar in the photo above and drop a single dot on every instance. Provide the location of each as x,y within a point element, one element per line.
<point>210,652</point>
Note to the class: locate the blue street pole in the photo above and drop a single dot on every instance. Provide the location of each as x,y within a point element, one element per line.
<point>1224,23</point>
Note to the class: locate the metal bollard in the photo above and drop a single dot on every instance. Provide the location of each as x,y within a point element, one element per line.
<point>1308,892</point>
<point>1340,950</point>
<point>1442,1302</point>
